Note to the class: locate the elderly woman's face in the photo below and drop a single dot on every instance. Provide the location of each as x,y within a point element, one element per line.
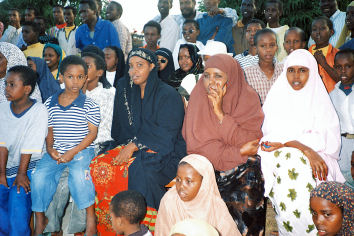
<point>214,80</point>
<point>3,65</point>
<point>297,76</point>
<point>139,70</point>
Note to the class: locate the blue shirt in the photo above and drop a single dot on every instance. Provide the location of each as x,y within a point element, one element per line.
<point>105,35</point>
<point>208,25</point>
<point>70,123</point>
<point>349,44</point>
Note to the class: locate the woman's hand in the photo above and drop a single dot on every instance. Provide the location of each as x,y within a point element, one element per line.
<point>318,165</point>
<point>250,148</point>
<point>22,181</point>
<point>125,154</point>
<point>271,146</point>
<point>216,97</point>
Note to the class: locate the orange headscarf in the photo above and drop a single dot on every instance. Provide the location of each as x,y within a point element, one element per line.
<point>203,133</point>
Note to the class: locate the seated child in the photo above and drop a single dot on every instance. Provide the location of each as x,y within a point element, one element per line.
<point>323,51</point>
<point>250,57</point>
<point>190,32</point>
<point>23,127</point>
<point>273,11</point>
<point>343,100</point>
<point>30,33</point>
<point>73,122</point>
<point>294,38</point>
<point>332,206</point>
<point>128,209</point>
<point>262,75</point>
<point>195,195</point>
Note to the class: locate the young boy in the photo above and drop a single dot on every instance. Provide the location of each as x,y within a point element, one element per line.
<point>72,127</point>
<point>30,33</point>
<point>128,209</point>
<point>58,17</point>
<point>190,31</point>
<point>323,51</point>
<point>343,100</point>
<point>263,75</point>
<point>273,11</point>
<point>66,36</point>
<point>13,32</point>
<point>152,33</point>
<point>250,57</point>
<point>23,127</point>
<point>294,38</point>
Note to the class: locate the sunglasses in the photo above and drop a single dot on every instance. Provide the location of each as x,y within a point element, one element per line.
<point>162,60</point>
<point>190,31</point>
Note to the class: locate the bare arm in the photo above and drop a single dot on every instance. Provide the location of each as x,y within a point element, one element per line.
<point>49,144</point>
<point>21,178</point>
<point>3,161</point>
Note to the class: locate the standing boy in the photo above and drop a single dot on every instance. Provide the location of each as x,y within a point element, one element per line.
<point>66,36</point>
<point>13,31</point>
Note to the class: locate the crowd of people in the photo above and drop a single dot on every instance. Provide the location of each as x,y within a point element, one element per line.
<point>190,134</point>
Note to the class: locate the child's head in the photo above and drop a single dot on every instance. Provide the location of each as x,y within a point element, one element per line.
<point>20,83</point>
<point>69,15</point>
<point>273,9</point>
<point>349,18</point>
<point>211,4</point>
<point>321,31</point>
<point>265,41</point>
<point>332,208</point>
<point>30,13</point>
<point>52,54</point>
<point>30,32</point>
<point>252,28</point>
<point>127,208</point>
<point>344,65</point>
<point>190,31</point>
<point>152,33</point>
<point>58,14</point>
<point>188,182</point>
<point>73,72</point>
<point>111,57</point>
<point>248,9</point>
<point>96,66</point>
<point>294,38</point>
<point>14,17</point>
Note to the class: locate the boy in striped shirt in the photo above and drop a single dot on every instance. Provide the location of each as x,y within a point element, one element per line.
<point>73,121</point>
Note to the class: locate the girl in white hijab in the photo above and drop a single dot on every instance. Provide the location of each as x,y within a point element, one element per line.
<point>301,142</point>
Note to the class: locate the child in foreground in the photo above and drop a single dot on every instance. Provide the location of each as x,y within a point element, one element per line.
<point>23,127</point>
<point>128,209</point>
<point>73,121</point>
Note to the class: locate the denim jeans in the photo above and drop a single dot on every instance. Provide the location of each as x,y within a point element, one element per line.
<point>46,175</point>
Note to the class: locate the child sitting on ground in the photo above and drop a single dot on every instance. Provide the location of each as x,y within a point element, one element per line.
<point>323,51</point>
<point>23,127</point>
<point>73,122</point>
<point>343,100</point>
<point>128,209</point>
<point>190,31</point>
<point>332,206</point>
<point>294,38</point>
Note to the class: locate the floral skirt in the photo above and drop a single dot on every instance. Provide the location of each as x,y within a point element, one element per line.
<point>109,179</point>
<point>242,190</point>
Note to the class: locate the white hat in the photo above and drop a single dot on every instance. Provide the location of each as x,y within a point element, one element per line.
<point>214,47</point>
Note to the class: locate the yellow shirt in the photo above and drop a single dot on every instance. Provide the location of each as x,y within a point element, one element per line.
<point>324,50</point>
<point>68,29</point>
<point>34,50</point>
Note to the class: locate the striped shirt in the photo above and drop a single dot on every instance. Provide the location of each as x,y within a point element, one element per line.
<point>70,123</point>
<point>245,59</point>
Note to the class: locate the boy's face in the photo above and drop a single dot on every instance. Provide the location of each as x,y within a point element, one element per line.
<point>58,14</point>
<point>14,17</point>
<point>116,222</point>
<point>321,33</point>
<point>267,47</point>
<point>251,31</point>
<point>211,4</point>
<point>15,90</point>
<point>41,25</point>
<point>293,41</point>
<point>190,32</point>
<point>29,35</point>
<point>349,19</point>
<point>344,65</point>
<point>272,12</point>
<point>74,78</point>
<point>92,72</point>
<point>328,7</point>
<point>86,14</point>
<point>29,15</point>
<point>151,36</point>
<point>69,17</point>
<point>164,7</point>
<point>248,9</point>
<point>112,12</point>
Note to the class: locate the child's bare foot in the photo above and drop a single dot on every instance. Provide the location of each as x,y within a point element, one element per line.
<point>41,222</point>
<point>90,221</point>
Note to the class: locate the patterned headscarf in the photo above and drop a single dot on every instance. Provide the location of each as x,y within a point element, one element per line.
<point>145,54</point>
<point>343,197</point>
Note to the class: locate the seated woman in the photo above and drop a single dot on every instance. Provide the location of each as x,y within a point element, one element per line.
<point>166,67</point>
<point>190,63</point>
<point>195,196</point>
<point>223,123</point>
<point>53,56</point>
<point>332,206</point>
<point>301,142</point>
<point>146,127</point>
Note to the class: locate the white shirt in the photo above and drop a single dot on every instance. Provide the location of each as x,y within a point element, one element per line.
<point>68,44</point>
<point>11,35</point>
<point>125,38</point>
<point>338,19</point>
<point>199,44</point>
<point>110,76</point>
<point>170,32</point>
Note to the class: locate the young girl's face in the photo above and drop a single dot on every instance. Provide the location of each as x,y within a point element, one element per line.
<point>51,58</point>
<point>15,90</point>
<point>327,216</point>
<point>162,61</point>
<point>272,12</point>
<point>344,65</point>
<point>111,59</point>
<point>31,64</point>
<point>188,182</point>
<point>190,32</point>
<point>184,59</point>
<point>297,76</point>
<point>92,72</point>
<point>267,47</point>
<point>293,41</point>
<point>321,33</point>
